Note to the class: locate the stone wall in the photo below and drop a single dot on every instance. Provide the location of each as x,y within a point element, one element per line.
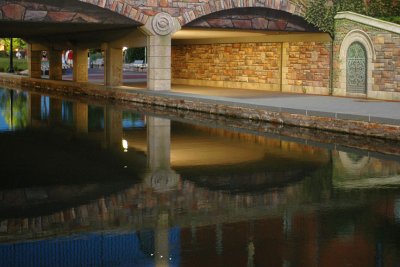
<point>304,67</point>
<point>241,65</point>
<point>384,56</point>
<point>189,10</point>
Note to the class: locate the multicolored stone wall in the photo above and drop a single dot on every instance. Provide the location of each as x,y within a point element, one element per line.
<point>304,67</point>
<point>239,65</point>
<point>139,10</point>
<point>189,10</point>
<point>385,63</point>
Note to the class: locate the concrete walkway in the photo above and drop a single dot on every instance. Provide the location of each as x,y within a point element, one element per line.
<point>379,111</point>
<point>387,112</point>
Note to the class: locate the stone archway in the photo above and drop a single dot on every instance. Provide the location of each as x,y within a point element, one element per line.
<point>356,39</point>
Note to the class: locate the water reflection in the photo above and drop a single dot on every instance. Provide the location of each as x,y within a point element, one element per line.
<point>174,194</point>
<point>14,110</point>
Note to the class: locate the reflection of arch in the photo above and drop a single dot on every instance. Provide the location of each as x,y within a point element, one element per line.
<point>356,36</point>
<point>352,165</point>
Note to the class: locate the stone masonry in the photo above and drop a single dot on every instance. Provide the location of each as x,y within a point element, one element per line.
<point>241,65</point>
<point>306,67</point>
<point>138,10</point>
<point>384,66</point>
<point>303,67</point>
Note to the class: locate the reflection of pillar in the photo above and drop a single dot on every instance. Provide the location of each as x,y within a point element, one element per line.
<point>159,30</point>
<point>34,108</point>
<point>161,176</point>
<point>55,71</point>
<point>218,236</point>
<point>158,143</point>
<point>113,126</point>
<point>162,241</point>
<point>34,62</point>
<point>81,116</point>
<point>55,111</point>
<point>80,65</point>
<point>113,66</point>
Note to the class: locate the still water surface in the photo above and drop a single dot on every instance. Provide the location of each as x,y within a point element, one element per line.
<point>86,184</point>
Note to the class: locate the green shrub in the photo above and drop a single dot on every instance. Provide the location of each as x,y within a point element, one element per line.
<point>322,13</point>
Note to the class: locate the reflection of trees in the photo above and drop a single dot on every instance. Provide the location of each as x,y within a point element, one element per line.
<point>14,109</point>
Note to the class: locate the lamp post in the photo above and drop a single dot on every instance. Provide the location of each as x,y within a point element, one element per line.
<point>11,68</point>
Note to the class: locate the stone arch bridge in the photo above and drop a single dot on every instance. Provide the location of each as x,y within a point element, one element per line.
<point>247,44</point>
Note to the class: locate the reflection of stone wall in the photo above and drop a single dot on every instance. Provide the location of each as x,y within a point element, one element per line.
<point>139,207</point>
<point>349,166</point>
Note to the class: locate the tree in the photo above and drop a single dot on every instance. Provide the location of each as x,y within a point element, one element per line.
<point>132,54</point>
<point>18,43</point>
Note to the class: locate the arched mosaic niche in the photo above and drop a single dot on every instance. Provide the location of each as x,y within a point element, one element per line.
<point>356,45</point>
<point>356,72</point>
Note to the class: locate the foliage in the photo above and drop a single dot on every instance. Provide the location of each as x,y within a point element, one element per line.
<point>18,43</point>
<point>322,13</point>
<point>19,64</point>
<point>132,54</point>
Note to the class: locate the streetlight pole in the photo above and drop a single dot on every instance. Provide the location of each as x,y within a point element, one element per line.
<point>11,68</point>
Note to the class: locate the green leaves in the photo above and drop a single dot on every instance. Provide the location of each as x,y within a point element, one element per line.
<point>321,13</point>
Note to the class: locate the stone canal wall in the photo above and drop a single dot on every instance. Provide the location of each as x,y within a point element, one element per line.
<point>286,116</point>
<point>381,41</point>
<point>301,67</point>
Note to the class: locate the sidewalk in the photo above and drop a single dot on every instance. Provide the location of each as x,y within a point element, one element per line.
<point>358,109</point>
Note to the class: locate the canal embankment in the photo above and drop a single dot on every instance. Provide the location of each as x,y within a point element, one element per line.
<point>361,117</point>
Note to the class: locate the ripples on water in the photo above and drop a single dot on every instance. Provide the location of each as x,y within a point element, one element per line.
<point>100,185</point>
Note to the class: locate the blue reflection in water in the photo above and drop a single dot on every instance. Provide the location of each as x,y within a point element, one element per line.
<point>45,108</point>
<point>67,112</point>
<point>92,249</point>
<point>133,120</point>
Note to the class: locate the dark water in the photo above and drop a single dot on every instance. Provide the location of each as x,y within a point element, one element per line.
<point>88,184</point>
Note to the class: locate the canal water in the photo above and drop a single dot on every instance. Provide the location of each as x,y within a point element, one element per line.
<point>87,183</point>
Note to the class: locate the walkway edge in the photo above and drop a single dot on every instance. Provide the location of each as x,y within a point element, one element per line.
<point>345,123</point>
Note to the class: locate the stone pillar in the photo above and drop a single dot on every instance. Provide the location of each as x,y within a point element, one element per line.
<point>159,30</point>
<point>159,63</point>
<point>113,66</point>
<point>80,65</point>
<point>113,127</point>
<point>81,117</point>
<point>160,177</point>
<point>55,68</point>
<point>34,61</point>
